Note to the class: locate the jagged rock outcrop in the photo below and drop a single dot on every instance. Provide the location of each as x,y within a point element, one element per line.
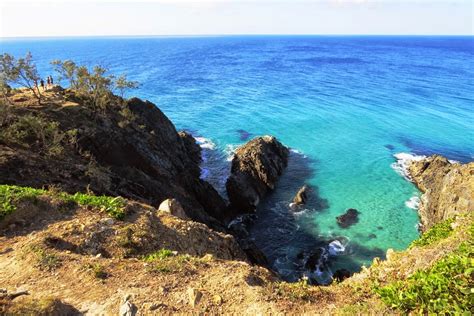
<point>301,196</point>
<point>448,188</point>
<point>256,167</point>
<point>132,150</point>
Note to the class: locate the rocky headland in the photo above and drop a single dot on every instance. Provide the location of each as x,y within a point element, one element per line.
<point>104,211</point>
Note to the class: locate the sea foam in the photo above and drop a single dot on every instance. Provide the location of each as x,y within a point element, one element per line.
<point>205,143</point>
<point>413,202</point>
<point>336,248</point>
<point>402,163</point>
<point>230,151</point>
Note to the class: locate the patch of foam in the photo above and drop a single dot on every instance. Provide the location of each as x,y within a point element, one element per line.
<point>402,163</point>
<point>336,248</point>
<point>205,143</point>
<point>413,202</point>
<point>230,151</point>
<point>296,151</point>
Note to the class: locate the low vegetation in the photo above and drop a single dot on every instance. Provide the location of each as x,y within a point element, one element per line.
<point>167,261</point>
<point>300,290</point>
<point>114,206</point>
<point>45,259</point>
<point>97,270</point>
<point>10,195</point>
<point>445,287</point>
<point>34,131</point>
<point>438,232</point>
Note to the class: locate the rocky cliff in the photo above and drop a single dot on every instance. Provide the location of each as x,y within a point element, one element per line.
<point>130,150</point>
<point>448,188</point>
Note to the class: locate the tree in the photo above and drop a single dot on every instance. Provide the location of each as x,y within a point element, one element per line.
<point>95,84</point>
<point>67,70</point>
<point>21,72</point>
<point>122,84</point>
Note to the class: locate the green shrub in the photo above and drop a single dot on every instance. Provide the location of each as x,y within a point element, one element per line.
<point>445,288</point>
<point>167,261</point>
<point>158,255</point>
<point>10,195</point>
<point>439,231</point>
<point>45,260</point>
<point>97,270</point>
<point>35,131</point>
<point>300,290</point>
<point>114,206</point>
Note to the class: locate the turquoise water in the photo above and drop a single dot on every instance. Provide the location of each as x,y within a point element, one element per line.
<point>345,104</point>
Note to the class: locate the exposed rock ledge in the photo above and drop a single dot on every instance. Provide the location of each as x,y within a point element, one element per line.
<point>448,188</point>
<point>255,170</point>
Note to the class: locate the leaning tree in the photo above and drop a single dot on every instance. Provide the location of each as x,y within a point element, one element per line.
<point>21,72</point>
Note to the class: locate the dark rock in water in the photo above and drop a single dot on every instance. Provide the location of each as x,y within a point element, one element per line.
<point>380,227</point>
<point>256,167</point>
<point>349,218</point>
<point>243,134</point>
<point>372,236</point>
<point>302,195</point>
<point>389,147</point>
<point>341,275</point>
<point>314,259</point>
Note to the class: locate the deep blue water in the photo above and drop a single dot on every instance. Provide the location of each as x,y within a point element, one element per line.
<point>345,105</point>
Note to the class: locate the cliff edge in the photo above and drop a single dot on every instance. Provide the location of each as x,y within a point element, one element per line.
<point>448,188</point>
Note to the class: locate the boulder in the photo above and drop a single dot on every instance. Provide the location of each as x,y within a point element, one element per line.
<point>256,167</point>
<point>128,308</point>
<point>349,218</point>
<point>173,207</point>
<point>194,296</point>
<point>301,196</point>
<point>448,188</point>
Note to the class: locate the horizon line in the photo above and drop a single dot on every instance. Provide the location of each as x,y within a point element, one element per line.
<point>231,35</point>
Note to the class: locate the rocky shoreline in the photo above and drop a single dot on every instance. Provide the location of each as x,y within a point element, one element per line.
<point>170,214</point>
<point>447,187</point>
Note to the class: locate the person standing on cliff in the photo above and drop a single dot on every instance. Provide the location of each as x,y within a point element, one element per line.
<point>42,84</point>
<point>51,79</point>
<point>48,82</point>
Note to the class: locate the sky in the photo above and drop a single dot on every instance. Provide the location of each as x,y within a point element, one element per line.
<point>23,18</point>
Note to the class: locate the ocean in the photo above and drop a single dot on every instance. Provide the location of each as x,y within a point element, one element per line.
<point>345,105</point>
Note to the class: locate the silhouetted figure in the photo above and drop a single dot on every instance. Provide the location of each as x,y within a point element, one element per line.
<point>51,79</point>
<point>48,81</point>
<point>42,84</point>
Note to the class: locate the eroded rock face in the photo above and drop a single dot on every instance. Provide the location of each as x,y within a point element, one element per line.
<point>255,170</point>
<point>448,188</point>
